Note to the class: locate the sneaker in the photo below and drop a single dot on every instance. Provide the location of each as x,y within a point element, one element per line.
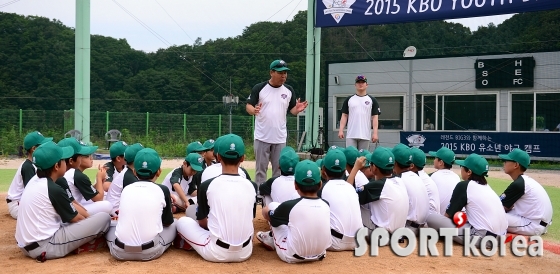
<point>266,238</point>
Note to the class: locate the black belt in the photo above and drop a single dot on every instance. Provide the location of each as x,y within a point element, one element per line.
<point>336,234</point>
<point>226,246</point>
<point>8,201</point>
<point>145,246</point>
<point>488,233</point>
<point>543,224</point>
<point>302,258</point>
<point>414,224</point>
<point>30,247</point>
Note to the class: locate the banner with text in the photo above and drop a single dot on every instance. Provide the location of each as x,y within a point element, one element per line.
<point>337,13</point>
<point>484,143</point>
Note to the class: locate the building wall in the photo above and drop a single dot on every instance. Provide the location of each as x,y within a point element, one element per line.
<point>439,76</point>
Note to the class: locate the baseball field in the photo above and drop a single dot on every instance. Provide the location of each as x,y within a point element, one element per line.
<point>263,261</point>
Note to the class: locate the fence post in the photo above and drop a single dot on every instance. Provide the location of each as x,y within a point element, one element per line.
<point>147,122</point>
<point>20,121</point>
<point>184,127</point>
<point>107,122</point>
<point>219,125</point>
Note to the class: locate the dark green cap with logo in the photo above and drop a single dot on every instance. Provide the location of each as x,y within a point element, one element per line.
<point>195,160</point>
<point>34,138</point>
<point>476,163</point>
<point>131,151</point>
<point>444,154</point>
<point>117,149</point>
<point>230,146</point>
<point>195,147</point>
<point>418,157</point>
<point>79,147</point>
<point>307,173</point>
<point>288,161</point>
<point>351,154</point>
<point>279,65</point>
<point>519,156</point>
<point>48,154</point>
<point>383,158</point>
<point>147,162</point>
<point>209,144</point>
<point>335,160</point>
<point>402,154</point>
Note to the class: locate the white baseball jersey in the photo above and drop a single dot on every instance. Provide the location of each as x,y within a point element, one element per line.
<point>216,170</point>
<point>528,199</point>
<point>43,207</point>
<point>418,200</point>
<point>229,203</point>
<point>360,178</point>
<point>433,193</point>
<point>388,202</point>
<point>24,173</point>
<point>301,226</point>
<point>176,175</point>
<point>270,123</point>
<point>81,186</point>
<point>145,208</point>
<point>126,176</point>
<point>360,109</point>
<point>446,180</point>
<point>483,207</point>
<point>280,188</point>
<point>345,207</point>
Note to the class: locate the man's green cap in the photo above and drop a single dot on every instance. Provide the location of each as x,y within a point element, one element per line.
<point>147,162</point>
<point>48,154</point>
<point>231,146</point>
<point>79,147</point>
<point>34,138</point>
<point>131,151</point>
<point>382,158</point>
<point>195,160</point>
<point>476,163</point>
<point>288,161</point>
<point>307,173</point>
<point>519,156</point>
<point>117,149</point>
<point>418,157</point>
<point>351,154</point>
<point>335,160</point>
<point>402,154</point>
<point>279,65</point>
<point>444,154</point>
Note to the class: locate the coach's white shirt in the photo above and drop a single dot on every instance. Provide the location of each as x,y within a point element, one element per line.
<point>270,123</point>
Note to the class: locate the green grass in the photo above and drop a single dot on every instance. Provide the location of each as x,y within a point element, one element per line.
<point>498,185</point>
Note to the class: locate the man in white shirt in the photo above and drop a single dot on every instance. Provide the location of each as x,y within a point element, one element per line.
<point>361,112</point>
<point>270,101</point>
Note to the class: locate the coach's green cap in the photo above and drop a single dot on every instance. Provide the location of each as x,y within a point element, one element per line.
<point>34,138</point>
<point>351,154</point>
<point>382,157</point>
<point>402,154</point>
<point>48,154</point>
<point>79,147</point>
<point>195,160</point>
<point>335,160</point>
<point>195,147</point>
<point>519,156</point>
<point>288,161</point>
<point>117,149</point>
<point>476,163</point>
<point>147,162</point>
<point>307,173</point>
<point>279,65</point>
<point>209,144</point>
<point>418,157</point>
<point>131,151</point>
<point>231,146</point>
<point>444,154</point>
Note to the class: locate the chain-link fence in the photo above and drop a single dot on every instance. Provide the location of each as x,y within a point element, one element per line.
<point>154,129</point>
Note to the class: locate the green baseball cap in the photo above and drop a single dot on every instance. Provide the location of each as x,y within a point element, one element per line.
<point>367,163</point>
<point>195,147</point>
<point>117,149</point>
<point>286,148</point>
<point>335,160</point>
<point>79,147</point>
<point>334,147</point>
<point>195,160</point>
<point>476,163</point>
<point>519,156</point>
<point>209,144</point>
<point>131,151</point>
<point>444,154</point>
<point>279,65</point>
<point>319,163</point>
<point>307,173</point>
<point>48,154</point>
<point>351,154</point>
<point>402,154</point>
<point>364,152</point>
<point>382,157</point>
<point>34,138</point>
<point>147,162</point>
<point>288,161</point>
<point>418,157</point>
<point>231,146</point>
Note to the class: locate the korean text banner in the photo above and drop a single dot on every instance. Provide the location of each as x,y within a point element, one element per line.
<point>484,143</point>
<point>336,13</point>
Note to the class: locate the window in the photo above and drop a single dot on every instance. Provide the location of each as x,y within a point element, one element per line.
<point>523,111</point>
<point>547,108</point>
<point>391,111</point>
<point>457,112</point>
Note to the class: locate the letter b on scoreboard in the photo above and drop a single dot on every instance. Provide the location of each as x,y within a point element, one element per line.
<point>505,73</point>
